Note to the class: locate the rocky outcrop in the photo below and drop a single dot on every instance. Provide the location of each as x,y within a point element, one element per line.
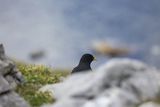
<point>9,78</point>
<point>150,104</point>
<point>118,83</point>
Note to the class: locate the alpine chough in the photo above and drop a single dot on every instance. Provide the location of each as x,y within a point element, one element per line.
<point>84,64</point>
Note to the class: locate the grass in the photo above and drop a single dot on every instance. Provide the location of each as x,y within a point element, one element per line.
<point>37,76</point>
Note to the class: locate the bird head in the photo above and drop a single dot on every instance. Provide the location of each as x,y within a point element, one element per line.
<point>87,58</point>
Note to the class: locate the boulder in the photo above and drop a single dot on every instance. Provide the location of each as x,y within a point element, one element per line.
<point>9,78</point>
<point>118,83</point>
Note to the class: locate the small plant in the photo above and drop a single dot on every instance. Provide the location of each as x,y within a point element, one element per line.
<point>37,76</point>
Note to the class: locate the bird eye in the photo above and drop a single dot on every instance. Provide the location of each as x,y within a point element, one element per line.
<point>94,58</point>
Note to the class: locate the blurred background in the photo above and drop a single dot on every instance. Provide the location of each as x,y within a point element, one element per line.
<point>57,32</point>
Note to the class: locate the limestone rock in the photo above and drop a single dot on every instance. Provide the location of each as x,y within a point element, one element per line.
<point>12,99</point>
<point>9,78</point>
<point>118,83</point>
<point>150,104</point>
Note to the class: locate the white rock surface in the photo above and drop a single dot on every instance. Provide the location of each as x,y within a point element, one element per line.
<point>150,104</point>
<point>118,83</point>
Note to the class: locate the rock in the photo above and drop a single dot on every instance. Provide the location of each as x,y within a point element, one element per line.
<point>12,99</point>
<point>36,55</point>
<point>49,88</point>
<point>9,78</point>
<point>150,104</point>
<point>4,85</point>
<point>118,83</point>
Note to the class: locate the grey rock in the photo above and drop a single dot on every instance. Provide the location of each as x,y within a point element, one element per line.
<point>9,78</point>
<point>4,85</point>
<point>118,83</point>
<point>36,55</point>
<point>150,104</point>
<point>12,99</point>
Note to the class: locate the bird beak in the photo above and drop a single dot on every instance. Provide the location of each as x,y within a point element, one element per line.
<point>94,59</point>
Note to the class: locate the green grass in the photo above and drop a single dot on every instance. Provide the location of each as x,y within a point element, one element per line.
<point>37,76</point>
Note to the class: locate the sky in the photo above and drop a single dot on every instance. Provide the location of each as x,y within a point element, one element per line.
<point>65,29</point>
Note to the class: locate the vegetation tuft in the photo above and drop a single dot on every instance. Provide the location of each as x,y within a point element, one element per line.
<point>37,76</point>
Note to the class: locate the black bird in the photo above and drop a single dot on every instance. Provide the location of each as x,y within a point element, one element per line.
<point>84,64</point>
